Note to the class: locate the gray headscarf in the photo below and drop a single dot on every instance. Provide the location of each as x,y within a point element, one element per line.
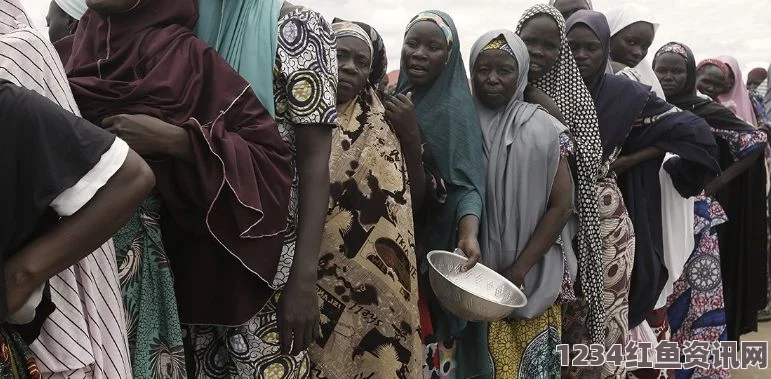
<point>588,2</point>
<point>521,143</point>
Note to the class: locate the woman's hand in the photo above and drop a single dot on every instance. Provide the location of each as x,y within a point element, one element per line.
<point>621,164</point>
<point>515,275</point>
<point>468,230</point>
<point>147,135</point>
<point>400,113</point>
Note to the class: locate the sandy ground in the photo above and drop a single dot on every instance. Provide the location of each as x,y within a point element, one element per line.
<point>763,334</point>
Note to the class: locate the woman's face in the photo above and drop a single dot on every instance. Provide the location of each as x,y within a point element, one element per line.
<point>60,24</point>
<point>424,53</point>
<point>568,7</point>
<point>711,81</point>
<point>672,72</point>
<point>541,34</point>
<point>495,78</point>
<point>630,45</point>
<point>353,65</point>
<point>587,50</point>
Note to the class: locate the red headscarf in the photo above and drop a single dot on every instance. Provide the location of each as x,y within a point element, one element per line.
<point>234,198</point>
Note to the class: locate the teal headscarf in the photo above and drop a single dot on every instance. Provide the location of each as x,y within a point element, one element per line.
<point>245,33</point>
<point>448,120</point>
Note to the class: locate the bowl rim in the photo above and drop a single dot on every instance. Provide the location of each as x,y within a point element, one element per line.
<point>516,289</point>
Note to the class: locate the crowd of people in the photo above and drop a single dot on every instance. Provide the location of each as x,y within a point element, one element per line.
<point>231,189</point>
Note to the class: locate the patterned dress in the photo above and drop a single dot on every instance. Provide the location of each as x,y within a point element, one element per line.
<point>696,307</point>
<point>147,285</point>
<point>305,91</point>
<point>368,282</point>
<point>527,349</point>
<point>16,360</point>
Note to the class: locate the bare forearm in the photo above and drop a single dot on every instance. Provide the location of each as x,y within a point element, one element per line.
<point>75,237</point>
<point>180,145</point>
<point>544,236</point>
<point>740,166</point>
<point>644,155</point>
<point>468,227</point>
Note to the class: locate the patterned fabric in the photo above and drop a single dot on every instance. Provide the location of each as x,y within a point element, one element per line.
<point>245,352</point>
<point>16,361</point>
<point>305,91</point>
<point>367,279</point>
<point>575,331</point>
<point>618,247</point>
<point>527,349</point>
<point>567,149</point>
<point>305,88</point>
<point>717,63</point>
<point>440,360</point>
<point>696,307</point>
<point>564,84</point>
<point>147,285</point>
<point>657,319</point>
<point>499,43</point>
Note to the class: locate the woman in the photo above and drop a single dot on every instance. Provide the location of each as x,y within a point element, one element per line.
<point>63,16</point>
<point>568,7</point>
<point>85,335</point>
<point>432,70</point>
<point>223,172</point>
<point>287,54</point>
<point>76,199</point>
<point>698,294</point>
<point>529,207</point>
<point>367,276</point>
<point>553,70</point>
<point>633,120</point>
<point>632,29</point>
<point>721,80</point>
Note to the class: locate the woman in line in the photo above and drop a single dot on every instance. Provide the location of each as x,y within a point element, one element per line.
<point>696,308</point>
<point>745,244</point>
<point>368,281</point>
<point>223,175</point>
<point>529,214</point>
<point>85,335</point>
<point>632,29</point>
<point>632,120</point>
<point>287,54</point>
<point>568,7</point>
<point>86,184</point>
<point>432,70</point>
<point>553,70</point>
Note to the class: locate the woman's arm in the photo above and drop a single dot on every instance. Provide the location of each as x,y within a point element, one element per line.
<point>736,169</point>
<point>74,237</point>
<point>624,163</point>
<point>534,95</point>
<point>549,228</point>
<point>468,240</point>
<point>298,305</point>
<point>400,113</point>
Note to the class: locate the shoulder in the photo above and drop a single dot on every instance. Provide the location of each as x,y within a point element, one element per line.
<point>301,22</point>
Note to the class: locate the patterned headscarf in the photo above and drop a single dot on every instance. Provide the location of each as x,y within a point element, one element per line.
<point>564,84</point>
<point>380,58</point>
<point>499,43</point>
<point>439,21</point>
<point>684,52</point>
<point>349,29</point>
<point>738,97</point>
<point>719,64</point>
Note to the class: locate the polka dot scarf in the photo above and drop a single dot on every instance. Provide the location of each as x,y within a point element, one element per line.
<point>563,83</point>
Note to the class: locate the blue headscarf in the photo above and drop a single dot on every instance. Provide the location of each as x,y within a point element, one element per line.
<point>248,40</point>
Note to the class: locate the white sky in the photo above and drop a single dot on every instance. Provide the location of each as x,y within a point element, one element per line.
<point>741,28</point>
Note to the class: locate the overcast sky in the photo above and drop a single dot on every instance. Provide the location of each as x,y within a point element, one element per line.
<point>710,27</point>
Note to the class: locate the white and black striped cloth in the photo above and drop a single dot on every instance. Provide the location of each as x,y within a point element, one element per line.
<point>86,336</point>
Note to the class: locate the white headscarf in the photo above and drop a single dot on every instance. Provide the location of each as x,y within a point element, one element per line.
<point>628,14</point>
<point>74,8</point>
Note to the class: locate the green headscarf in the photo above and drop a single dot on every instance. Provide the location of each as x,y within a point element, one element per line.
<point>245,33</point>
<point>450,125</point>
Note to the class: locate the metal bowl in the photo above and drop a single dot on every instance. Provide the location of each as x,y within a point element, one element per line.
<point>479,294</point>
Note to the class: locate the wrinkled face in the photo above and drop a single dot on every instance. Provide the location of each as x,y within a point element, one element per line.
<point>495,78</point>
<point>672,72</point>
<point>568,7</point>
<point>107,7</point>
<point>542,36</point>
<point>424,53</point>
<point>587,50</point>
<point>630,45</point>
<point>60,24</point>
<point>711,81</point>
<point>353,65</point>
